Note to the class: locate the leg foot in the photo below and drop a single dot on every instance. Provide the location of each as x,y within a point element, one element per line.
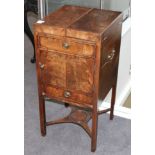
<point>66,105</point>
<point>93,149</point>
<point>112,102</point>
<point>111,117</point>
<point>43,134</point>
<point>33,60</point>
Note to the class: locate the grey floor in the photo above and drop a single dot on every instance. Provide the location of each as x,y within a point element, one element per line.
<point>114,137</point>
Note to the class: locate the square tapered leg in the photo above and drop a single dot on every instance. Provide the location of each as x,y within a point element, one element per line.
<point>42,115</point>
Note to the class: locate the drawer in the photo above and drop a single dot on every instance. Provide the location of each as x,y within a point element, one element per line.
<point>67,45</point>
<point>68,96</point>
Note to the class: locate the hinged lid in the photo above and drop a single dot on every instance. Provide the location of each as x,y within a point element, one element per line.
<point>77,22</point>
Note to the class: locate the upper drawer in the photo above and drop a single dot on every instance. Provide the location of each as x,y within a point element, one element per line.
<point>67,45</point>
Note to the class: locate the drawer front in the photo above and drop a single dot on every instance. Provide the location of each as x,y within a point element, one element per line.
<point>67,45</point>
<point>67,96</point>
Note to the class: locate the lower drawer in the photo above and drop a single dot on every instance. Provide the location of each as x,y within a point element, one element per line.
<point>69,96</point>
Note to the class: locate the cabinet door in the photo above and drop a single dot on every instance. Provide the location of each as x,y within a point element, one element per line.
<point>54,71</point>
<point>80,72</point>
<point>68,72</point>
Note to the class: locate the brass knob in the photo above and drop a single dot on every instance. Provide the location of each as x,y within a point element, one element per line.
<point>113,50</point>
<point>66,45</point>
<point>109,56</point>
<point>67,94</point>
<point>41,65</point>
<point>105,38</point>
<point>43,94</point>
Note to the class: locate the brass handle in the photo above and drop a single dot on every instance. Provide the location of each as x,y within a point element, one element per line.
<point>113,51</point>
<point>67,94</point>
<point>66,45</point>
<point>105,38</point>
<point>41,65</point>
<point>111,55</point>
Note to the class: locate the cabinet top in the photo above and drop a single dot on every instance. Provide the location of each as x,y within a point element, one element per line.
<point>78,22</point>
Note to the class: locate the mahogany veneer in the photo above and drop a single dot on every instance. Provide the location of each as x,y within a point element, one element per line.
<point>77,55</point>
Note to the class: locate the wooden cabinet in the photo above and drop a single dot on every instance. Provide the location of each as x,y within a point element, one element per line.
<point>77,55</point>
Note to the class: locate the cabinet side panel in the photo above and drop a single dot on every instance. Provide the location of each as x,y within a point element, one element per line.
<point>110,49</point>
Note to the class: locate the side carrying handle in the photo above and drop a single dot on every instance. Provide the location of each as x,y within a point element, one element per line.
<point>111,55</point>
